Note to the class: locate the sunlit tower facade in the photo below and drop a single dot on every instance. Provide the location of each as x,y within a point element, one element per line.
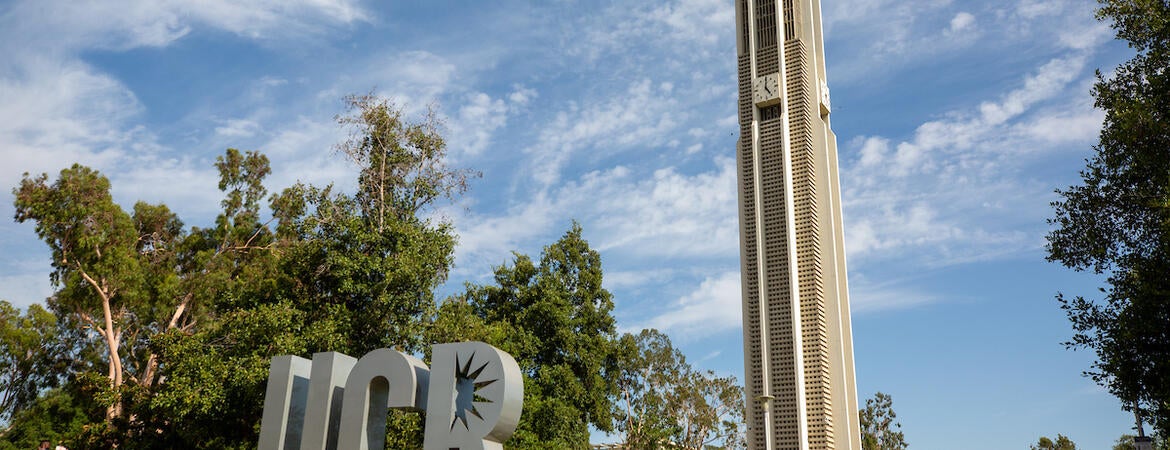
<point>798,343</point>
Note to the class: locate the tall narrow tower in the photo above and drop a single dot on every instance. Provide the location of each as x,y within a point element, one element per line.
<point>798,344</point>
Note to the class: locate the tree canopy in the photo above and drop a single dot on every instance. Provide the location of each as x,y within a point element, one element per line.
<point>664,401</point>
<point>1061,442</point>
<point>159,334</point>
<point>880,429</point>
<point>1117,222</point>
<point>30,356</point>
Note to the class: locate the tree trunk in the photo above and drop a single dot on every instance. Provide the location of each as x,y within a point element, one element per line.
<point>112,337</point>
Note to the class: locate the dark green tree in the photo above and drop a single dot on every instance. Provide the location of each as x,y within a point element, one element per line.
<point>556,320</point>
<point>174,328</point>
<point>57,416</point>
<point>879,427</point>
<point>1117,222</point>
<point>126,280</point>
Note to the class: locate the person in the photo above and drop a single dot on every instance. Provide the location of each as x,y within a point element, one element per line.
<point>45,445</point>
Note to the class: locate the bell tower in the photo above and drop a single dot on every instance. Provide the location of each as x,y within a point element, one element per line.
<point>798,343</point>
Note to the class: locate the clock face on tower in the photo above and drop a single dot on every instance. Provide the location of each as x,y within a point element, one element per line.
<point>766,90</point>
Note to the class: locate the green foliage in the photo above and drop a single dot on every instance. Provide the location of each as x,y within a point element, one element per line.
<point>169,331</point>
<point>185,321</point>
<point>664,400</point>
<point>95,265</point>
<point>401,160</point>
<point>370,261</point>
<point>651,369</point>
<point>1062,442</point>
<point>341,272</point>
<point>57,416</point>
<point>30,360</point>
<point>1126,442</point>
<point>555,319</point>
<point>1118,221</point>
<point>879,428</point>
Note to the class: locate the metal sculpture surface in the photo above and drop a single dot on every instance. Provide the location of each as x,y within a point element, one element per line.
<point>472,396</point>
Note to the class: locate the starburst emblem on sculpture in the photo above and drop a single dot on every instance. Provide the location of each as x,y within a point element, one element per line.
<point>467,386</point>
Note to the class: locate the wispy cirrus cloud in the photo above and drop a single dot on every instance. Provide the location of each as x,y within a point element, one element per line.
<point>958,189</point>
<point>713,307</point>
<point>664,215</point>
<point>124,24</point>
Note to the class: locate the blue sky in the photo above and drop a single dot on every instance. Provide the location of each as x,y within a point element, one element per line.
<point>956,121</point>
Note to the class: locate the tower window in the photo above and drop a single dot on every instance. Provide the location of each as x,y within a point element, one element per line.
<point>766,23</point>
<point>770,112</point>
<point>789,20</point>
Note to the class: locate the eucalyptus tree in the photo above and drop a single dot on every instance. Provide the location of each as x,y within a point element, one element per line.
<point>880,429</point>
<point>663,400</point>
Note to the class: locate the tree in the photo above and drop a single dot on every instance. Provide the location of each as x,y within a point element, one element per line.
<point>57,415</point>
<point>347,272</point>
<point>1062,442</point>
<point>94,262</point>
<point>1126,442</point>
<point>879,429</point>
<point>555,318</point>
<point>125,279</point>
<point>711,411</point>
<point>662,399</point>
<point>651,368</point>
<point>29,357</point>
<point>183,322</point>
<point>1118,221</point>
<point>374,256</point>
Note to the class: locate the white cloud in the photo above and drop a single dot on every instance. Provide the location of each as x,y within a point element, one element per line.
<point>54,113</point>
<point>874,150</point>
<point>235,128</point>
<point>269,18</point>
<point>480,117</point>
<point>641,117</point>
<point>124,24</point>
<point>521,95</point>
<point>625,279</point>
<point>1087,37</point>
<point>25,289</point>
<point>664,214</point>
<point>866,296</point>
<point>636,28</point>
<point>303,150</point>
<point>713,307</point>
<point>957,190</point>
<point>24,276</point>
<point>56,109</point>
<point>870,39</point>
<point>414,79</point>
<point>963,21</point>
<point>1032,9</point>
<point>485,241</point>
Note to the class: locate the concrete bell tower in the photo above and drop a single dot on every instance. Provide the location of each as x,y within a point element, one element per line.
<point>798,343</point>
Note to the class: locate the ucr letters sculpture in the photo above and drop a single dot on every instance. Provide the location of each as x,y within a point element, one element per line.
<point>472,395</point>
